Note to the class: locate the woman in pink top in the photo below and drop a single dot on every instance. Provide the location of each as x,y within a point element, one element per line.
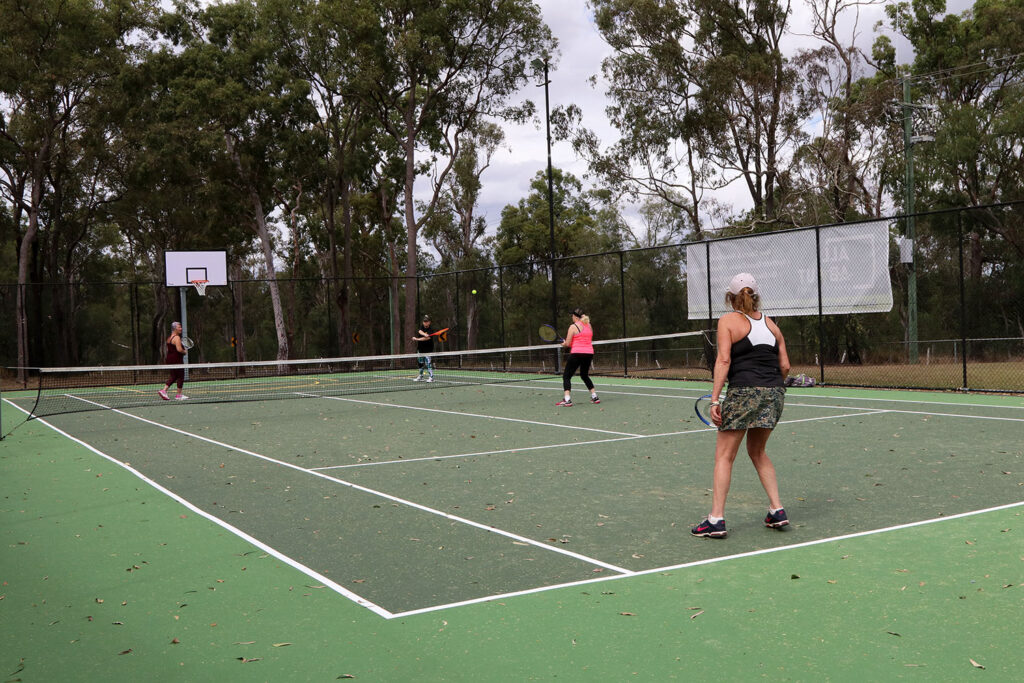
<point>579,340</point>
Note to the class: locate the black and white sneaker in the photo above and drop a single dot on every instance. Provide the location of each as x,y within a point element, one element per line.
<point>709,530</point>
<point>776,520</point>
<point>595,399</point>
<point>565,402</point>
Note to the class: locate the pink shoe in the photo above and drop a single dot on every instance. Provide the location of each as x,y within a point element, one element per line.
<point>181,397</point>
<point>163,395</point>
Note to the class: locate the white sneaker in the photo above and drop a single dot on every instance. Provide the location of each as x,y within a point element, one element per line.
<point>430,379</point>
<point>418,379</point>
<point>181,397</point>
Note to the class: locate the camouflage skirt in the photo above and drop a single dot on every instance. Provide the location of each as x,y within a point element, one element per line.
<point>752,407</point>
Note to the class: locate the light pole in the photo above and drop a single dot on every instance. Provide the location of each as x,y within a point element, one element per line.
<point>909,139</point>
<point>538,65</point>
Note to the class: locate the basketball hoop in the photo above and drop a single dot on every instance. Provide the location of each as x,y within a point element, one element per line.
<point>200,286</point>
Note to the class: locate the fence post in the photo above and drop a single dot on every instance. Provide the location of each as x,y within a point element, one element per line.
<point>622,300</point>
<point>821,315</point>
<point>963,299</point>
<point>707,260</point>
<point>501,305</point>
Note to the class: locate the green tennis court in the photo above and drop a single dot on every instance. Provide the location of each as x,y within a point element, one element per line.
<point>453,529</point>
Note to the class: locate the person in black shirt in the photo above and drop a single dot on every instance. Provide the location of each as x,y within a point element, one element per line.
<point>752,356</point>
<point>424,347</point>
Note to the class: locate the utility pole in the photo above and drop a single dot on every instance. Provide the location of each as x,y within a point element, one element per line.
<point>537,64</point>
<point>910,229</point>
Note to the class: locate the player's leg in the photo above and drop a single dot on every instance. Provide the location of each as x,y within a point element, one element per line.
<point>571,365</point>
<point>757,440</point>
<point>585,362</point>
<point>180,381</point>
<point>726,447</point>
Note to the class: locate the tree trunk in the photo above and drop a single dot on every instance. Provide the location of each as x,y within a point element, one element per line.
<point>24,255</point>
<point>395,333</point>
<point>411,229</point>
<point>345,319</point>
<point>267,246</point>
<point>238,310</point>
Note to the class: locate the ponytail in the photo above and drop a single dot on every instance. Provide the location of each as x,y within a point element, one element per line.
<point>745,302</point>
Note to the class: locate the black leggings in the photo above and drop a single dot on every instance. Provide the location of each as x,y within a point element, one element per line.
<point>579,361</point>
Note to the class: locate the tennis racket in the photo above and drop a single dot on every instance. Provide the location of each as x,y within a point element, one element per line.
<point>549,334</point>
<point>704,401</point>
<point>187,343</point>
<point>710,351</point>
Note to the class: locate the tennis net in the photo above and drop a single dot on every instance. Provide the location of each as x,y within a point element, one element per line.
<point>76,389</point>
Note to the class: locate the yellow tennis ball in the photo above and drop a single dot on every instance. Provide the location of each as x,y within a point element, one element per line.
<point>474,291</point>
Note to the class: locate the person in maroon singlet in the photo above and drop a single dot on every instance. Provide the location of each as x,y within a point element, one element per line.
<point>175,356</point>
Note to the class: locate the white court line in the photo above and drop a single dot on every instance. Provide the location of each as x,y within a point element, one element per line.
<point>802,395</point>
<point>575,443</point>
<point>374,492</point>
<point>969,417</point>
<point>697,563</point>
<point>455,412</point>
<point>389,615</point>
<point>377,609</point>
<point>612,392</point>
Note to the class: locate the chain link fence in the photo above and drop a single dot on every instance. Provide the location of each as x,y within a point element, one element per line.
<point>955,320</point>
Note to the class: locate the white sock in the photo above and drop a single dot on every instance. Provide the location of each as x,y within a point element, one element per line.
<point>774,510</point>
<point>715,520</point>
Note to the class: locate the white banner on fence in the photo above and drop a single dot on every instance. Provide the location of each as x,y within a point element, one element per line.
<point>854,271</point>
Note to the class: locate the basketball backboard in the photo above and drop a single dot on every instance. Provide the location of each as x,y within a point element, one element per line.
<point>182,267</point>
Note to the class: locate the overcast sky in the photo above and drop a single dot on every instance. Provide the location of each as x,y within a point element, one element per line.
<point>581,52</point>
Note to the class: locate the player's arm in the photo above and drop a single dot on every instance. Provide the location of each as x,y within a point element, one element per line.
<point>784,364</point>
<point>178,346</point>
<point>722,362</point>
<point>569,334</point>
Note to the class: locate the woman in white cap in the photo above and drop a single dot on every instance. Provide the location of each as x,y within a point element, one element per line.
<point>752,356</point>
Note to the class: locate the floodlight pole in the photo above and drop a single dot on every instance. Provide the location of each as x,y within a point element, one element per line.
<point>551,201</point>
<point>908,152</point>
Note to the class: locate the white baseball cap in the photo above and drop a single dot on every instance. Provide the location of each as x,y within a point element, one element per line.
<point>743,280</point>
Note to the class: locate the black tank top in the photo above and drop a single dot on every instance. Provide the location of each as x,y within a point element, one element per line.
<point>755,358</point>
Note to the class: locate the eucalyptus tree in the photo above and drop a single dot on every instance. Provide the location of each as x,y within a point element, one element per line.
<point>968,73</point>
<point>522,239</point>
<point>837,174</point>
<point>703,96</point>
<point>56,59</point>
<point>322,44</point>
<point>433,72</point>
<point>454,227</point>
<point>234,82</point>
